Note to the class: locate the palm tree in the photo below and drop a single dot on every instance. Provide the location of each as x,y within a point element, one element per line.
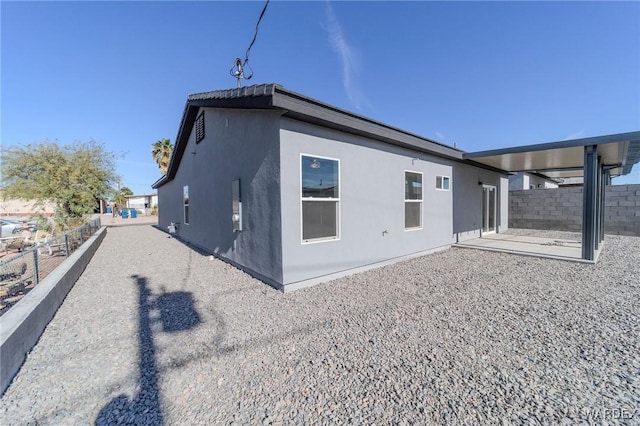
<point>161,152</point>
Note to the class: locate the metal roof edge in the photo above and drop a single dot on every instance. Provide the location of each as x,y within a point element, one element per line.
<point>592,140</point>
<point>320,111</point>
<point>157,184</point>
<point>256,90</point>
<point>483,166</point>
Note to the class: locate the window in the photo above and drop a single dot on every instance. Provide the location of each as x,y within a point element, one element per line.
<point>200,127</point>
<point>442,183</point>
<point>320,197</point>
<point>185,199</point>
<point>412,200</point>
<point>236,205</point>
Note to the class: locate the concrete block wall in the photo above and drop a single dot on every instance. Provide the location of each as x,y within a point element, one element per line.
<point>561,209</point>
<point>622,210</point>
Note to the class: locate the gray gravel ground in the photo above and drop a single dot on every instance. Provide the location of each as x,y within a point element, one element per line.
<point>154,332</point>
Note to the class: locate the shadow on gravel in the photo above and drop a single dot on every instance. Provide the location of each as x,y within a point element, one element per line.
<point>177,313</point>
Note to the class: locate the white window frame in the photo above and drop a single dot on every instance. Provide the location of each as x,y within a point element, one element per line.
<point>421,200</point>
<point>336,200</point>
<point>442,178</point>
<point>185,204</point>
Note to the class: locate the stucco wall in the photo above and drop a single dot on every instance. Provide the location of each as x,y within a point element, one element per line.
<point>467,200</point>
<point>251,146</point>
<point>561,208</point>
<point>525,180</point>
<point>371,201</point>
<point>237,145</point>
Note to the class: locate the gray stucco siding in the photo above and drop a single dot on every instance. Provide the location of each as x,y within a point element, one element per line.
<point>264,150</point>
<point>167,205</point>
<point>371,202</point>
<point>467,200</point>
<point>243,145</point>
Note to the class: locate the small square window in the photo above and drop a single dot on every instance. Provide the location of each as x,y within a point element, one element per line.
<point>443,183</point>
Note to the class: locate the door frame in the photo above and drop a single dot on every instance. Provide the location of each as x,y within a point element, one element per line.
<point>484,229</point>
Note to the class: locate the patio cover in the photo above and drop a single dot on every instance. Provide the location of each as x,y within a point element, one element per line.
<point>596,159</point>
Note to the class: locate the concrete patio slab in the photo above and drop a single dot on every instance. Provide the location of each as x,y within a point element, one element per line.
<point>550,248</point>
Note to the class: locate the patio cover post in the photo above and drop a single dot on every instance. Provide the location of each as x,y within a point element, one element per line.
<point>598,203</point>
<point>589,210</point>
<point>605,179</point>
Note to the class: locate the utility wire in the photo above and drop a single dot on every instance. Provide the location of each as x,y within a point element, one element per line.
<point>237,70</point>
<point>255,35</point>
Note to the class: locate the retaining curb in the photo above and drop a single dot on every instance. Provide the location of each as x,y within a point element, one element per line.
<point>22,326</point>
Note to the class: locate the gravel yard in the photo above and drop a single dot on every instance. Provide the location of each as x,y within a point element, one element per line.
<point>154,332</point>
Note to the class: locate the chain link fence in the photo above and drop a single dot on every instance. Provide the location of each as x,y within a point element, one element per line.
<point>22,272</point>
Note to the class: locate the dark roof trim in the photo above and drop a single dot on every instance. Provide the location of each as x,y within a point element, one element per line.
<point>299,107</point>
<point>310,110</point>
<point>160,182</point>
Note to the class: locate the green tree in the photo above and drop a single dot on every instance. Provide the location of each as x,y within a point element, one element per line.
<point>161,153</point>
<point>72,176</point>
<point>120,197</point>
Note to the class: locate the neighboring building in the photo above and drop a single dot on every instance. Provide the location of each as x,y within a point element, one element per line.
<point>29,208</point>
<point>296,192</point>
<point>572,181</point>
<point>25,208</point>
<point>143,203</point>
<point>523,180</point>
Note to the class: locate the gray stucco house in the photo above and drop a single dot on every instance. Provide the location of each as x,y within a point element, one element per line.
<point>296,192</point>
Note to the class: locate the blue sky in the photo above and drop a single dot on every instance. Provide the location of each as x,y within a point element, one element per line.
<point>481,75</point>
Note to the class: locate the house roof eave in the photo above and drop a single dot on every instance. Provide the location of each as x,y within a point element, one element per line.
<point>302,108</point>
<point>157,184</point>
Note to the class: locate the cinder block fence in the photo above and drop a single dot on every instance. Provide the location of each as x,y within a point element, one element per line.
<point>561,209</point>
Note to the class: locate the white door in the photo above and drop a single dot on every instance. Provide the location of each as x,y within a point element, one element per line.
<point>489,200</point>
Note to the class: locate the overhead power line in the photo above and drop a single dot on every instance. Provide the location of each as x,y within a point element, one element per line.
<point>238,69</point>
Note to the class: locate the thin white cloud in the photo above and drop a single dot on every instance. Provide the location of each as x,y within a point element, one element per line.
<point>440,136</point>
<point>576,135</point>
<point>348,58</point>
